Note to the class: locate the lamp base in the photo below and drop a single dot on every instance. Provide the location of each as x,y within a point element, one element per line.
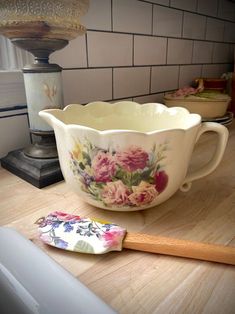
<point>38,172</point>
<point>45,148</point>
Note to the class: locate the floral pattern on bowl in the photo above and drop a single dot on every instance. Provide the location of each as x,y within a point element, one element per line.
<point>125,156</point>
<point>129,177</point>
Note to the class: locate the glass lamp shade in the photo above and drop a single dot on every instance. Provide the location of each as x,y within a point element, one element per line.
<point>57,19</point>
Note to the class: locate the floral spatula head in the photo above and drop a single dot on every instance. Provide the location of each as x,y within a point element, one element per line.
<point>86,235</point>
<point>78,234</point>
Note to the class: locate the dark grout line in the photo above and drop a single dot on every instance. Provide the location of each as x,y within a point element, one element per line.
<point>133,50</point>
<point>193,12</point>
<point>152,21</point>
<point>112,82</point>
<point>86,50</point>
<point>112,15</point>
<point>159,36</point>
<point>150,80</point>
<point>14,115</point>
<point>145,66</point>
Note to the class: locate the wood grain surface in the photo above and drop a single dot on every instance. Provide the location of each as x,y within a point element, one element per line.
<point>139,282</point>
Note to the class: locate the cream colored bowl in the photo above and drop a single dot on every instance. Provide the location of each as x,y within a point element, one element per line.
<point>126,156</point>
<point>206,107</point>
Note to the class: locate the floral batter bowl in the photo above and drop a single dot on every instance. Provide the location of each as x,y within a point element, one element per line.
<point>126,156</point>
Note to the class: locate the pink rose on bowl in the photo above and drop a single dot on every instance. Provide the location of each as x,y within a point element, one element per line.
<point>132,159</point>
<point>115,193</point>
<point>103,166</point>
<point>143,194</point>
<point>161,180</point>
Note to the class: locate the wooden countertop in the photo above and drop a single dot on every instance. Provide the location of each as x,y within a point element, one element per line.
<point>137,282</point>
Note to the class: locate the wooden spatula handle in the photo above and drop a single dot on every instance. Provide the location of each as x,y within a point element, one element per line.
<point>183,248</point>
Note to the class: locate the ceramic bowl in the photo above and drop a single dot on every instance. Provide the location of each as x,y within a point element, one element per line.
<point>213,107</point>
<point>126,156</point>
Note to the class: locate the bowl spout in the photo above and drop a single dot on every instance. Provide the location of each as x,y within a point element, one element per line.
<point>49,116</point>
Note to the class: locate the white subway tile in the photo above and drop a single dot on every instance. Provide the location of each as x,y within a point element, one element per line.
<point>194,26</point>
<point>132,16</point>
<point>213,70</point>
<point>202,52</point>
<point>229,32</point>
<point>214,29</point>
<point>179,51</point>
<point>98,16</point>
<point>189,5</point>
<point>73,55</point>
<point>222,53</point>
<point>167,21</point>
<point>164,78</point>
<point>208,7</point>
<point>17,130</point>
<point>129,82</point>
<point>149,50</point>
<point>226,10</point>
<point>109,49</point>
<point>188,73</point>
<point>12,88</point>
<point>153,98</point>
<point>85,85</point>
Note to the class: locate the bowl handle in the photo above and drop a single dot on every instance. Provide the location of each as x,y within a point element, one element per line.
<point>223,133</point>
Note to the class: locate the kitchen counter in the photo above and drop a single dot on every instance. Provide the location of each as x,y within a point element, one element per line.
<point>138,282</point>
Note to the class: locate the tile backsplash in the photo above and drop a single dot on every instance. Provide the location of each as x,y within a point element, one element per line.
<point>140,49</point>
<point>131,16</point>
<point>167,21</point>
<point>109,49</point>
<point>133,49</point>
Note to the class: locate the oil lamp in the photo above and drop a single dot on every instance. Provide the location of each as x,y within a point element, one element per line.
<point>40,27</point>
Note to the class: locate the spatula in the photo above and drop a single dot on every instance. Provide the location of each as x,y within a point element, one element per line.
<point>86,235</point>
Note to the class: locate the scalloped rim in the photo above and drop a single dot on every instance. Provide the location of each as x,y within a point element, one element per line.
<point>49,114</point>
